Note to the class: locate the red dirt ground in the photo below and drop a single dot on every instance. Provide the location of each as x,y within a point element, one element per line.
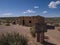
<point>54,35</point>
<point>22,30</point>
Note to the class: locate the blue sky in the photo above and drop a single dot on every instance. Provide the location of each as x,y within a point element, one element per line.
<point>46,8</point>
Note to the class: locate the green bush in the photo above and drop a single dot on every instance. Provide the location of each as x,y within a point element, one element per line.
<point>13,39</point>
<point>32,31</point>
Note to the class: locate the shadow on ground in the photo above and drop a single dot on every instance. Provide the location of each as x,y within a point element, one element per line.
<point>48,43</point>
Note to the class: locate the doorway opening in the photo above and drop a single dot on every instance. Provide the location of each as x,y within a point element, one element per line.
<point>23,22</point>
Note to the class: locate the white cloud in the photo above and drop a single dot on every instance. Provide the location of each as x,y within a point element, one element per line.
<point>36,6</point>
<point>7,14</point>
<point>44,12</point>
<point>53,4</point>
<point>29,11</point>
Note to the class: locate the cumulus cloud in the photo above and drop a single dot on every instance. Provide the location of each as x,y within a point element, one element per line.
<point>53,4</point>
<point>44,12</point>
<point>36,6</point>
<point>29,11</point>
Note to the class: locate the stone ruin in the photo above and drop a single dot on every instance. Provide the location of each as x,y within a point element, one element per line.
<point>30,20</point>
<point>38,22</point>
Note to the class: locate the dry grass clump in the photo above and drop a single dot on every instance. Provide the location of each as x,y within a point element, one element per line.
<point>57,25</point>
<point>7,24</point>
<point>58,29</point>
<point>14,23</point>
<point>13,39</point>
<point>0,23</point>
<point>32,31</point>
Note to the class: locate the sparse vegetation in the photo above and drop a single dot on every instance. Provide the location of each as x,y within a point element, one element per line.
<point>0,23</point>
<point>7,23</point>
<point>14,23</point>
<point>57,25</point>
<point>58,29</point>
<point>13,39</point>
<point>32,31</point>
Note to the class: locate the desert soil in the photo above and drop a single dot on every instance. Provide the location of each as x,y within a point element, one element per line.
<point>23,30</point>
<point>53,35</point>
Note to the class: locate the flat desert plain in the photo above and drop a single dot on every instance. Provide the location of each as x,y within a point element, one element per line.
<point>53,35</point>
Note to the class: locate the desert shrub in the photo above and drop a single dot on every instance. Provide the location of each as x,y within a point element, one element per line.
<point>7,24</point>
<point>0,23</point>
<point>58,29</point>
<point>32,31</point>
<point>14,23</point>
<point>13,39</point>
<point>57,25</point>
